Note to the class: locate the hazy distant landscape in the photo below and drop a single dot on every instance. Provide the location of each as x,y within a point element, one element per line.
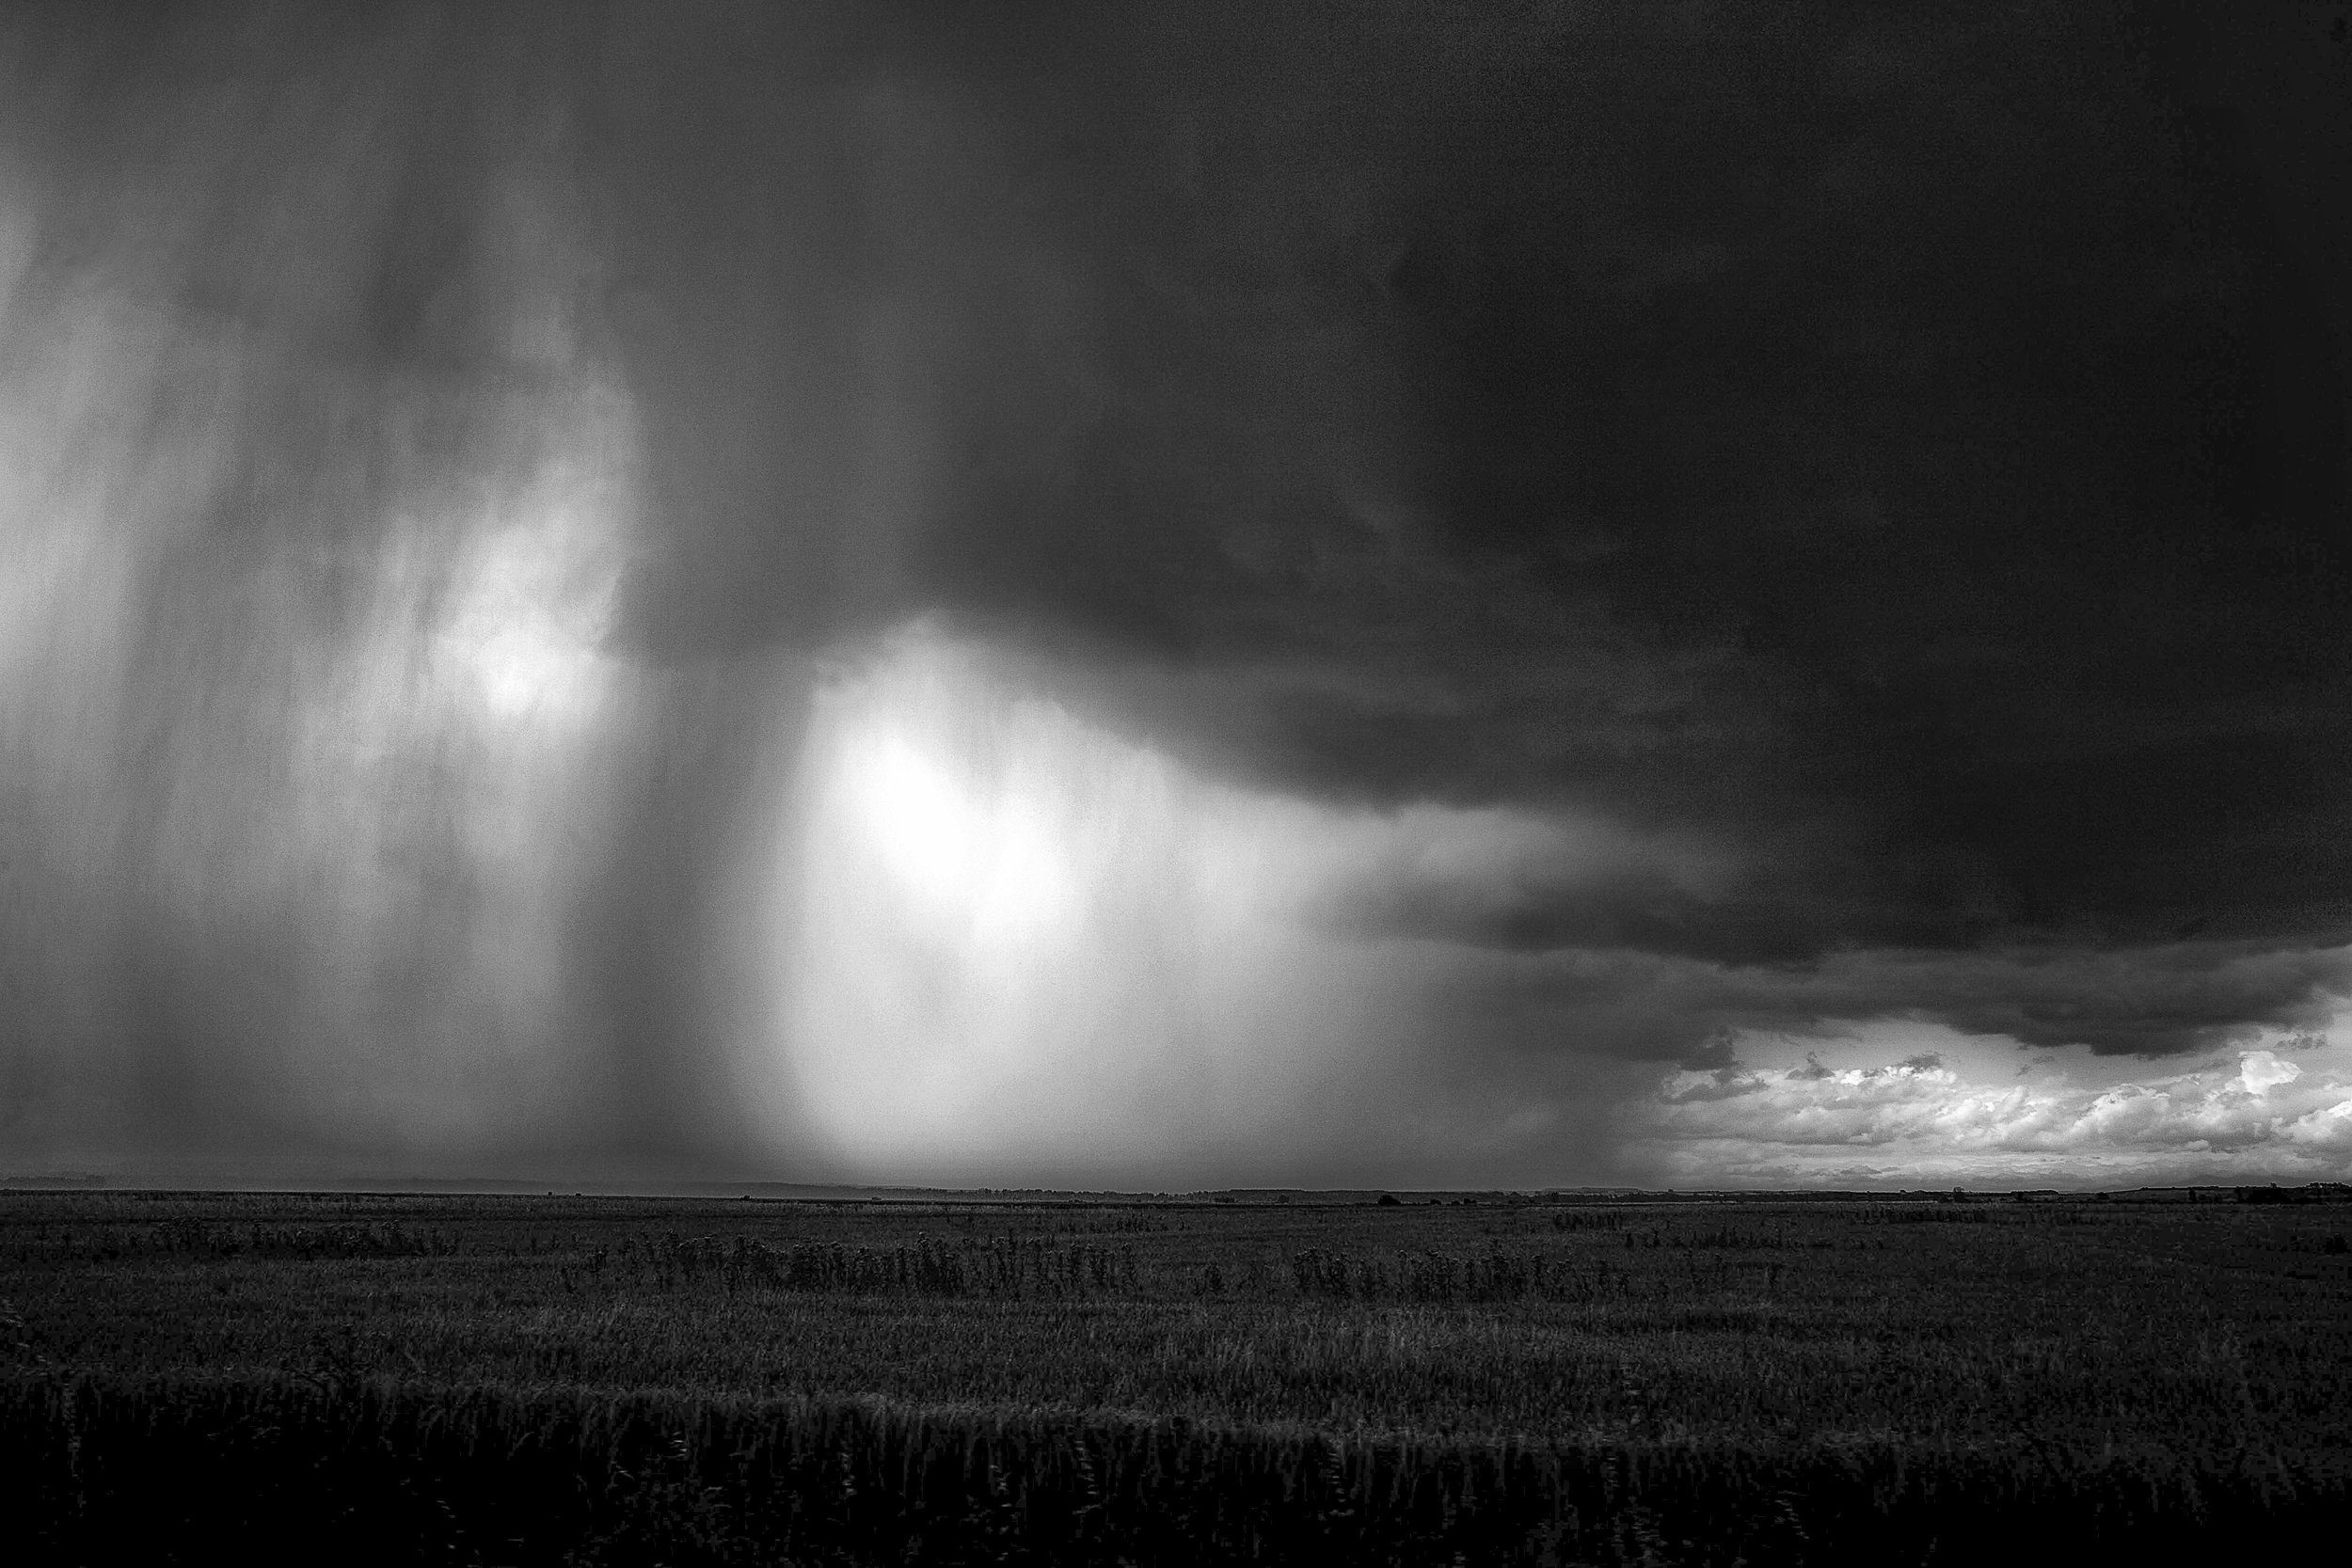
<point>493,1379</point>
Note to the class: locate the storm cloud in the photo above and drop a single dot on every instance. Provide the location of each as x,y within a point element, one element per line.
<point>1200,592</point>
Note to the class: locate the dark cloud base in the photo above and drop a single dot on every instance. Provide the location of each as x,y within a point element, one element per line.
<point>2159,1002</point>
<point>1908,443</point>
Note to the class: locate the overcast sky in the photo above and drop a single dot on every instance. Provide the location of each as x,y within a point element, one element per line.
<point>1151,596</point>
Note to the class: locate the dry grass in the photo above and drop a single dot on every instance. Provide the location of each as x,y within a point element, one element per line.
<point>2132,1370</point>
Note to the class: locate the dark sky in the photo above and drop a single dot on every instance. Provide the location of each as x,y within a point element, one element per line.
<point>1491,554</point>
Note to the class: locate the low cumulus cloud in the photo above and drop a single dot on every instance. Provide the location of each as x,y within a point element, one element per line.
<point>2261,1114</point>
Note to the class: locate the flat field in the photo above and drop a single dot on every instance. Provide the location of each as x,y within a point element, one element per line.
<point>1504,1380</point>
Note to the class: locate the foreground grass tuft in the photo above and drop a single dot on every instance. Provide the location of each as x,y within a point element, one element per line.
<point>528,1381</point>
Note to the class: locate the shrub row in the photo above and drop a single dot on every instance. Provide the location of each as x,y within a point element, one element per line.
<point>1436,1277</point>
<point>200,1239</point>
<point>997,1266</point>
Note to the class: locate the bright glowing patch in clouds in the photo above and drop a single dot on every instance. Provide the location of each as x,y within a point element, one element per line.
<point>1008,933</point>
<point>534,600</point>
<point>1012,943</point>
<point>302,679</point>
<point>2279,1111</point>
<point>984,851</point>
<point>440,757</point>
<point>2259,1071</point>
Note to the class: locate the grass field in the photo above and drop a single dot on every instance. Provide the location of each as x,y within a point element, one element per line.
<point>506,1379</point>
